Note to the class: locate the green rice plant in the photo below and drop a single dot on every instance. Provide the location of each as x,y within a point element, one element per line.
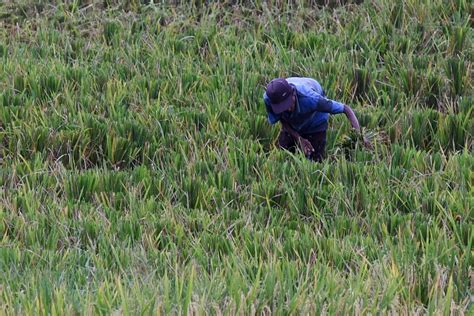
<point>10,99</point>
<point>403,45</point>
<point>411,81</point>
<point>391,99</point>
<point>452,132</point>
<point>259,129</point>
<point>113,182</point>
<point>397,14</point>
<point>424,127</point>
<point>117,98</point>
<point>196,119</point>
<point>457,33</point>
<point>153,88</point>
<point>111,31</point>
<point>459,5</point>
<point>19,83</point>
<point>81,187</point>
<point>50,85</point>
<point>351,142</point>
<point>75,76</point>
<point>3,51</point>
<point>421,62</point>
<point>118,151</point>
<point>192,193</point>
<point>34,141</point>
<point>456,70</point>
<point>465,106</point>
<point>101,78</point>
<point>433,85</point>
<point>458,38</point>
<point>361,82</point>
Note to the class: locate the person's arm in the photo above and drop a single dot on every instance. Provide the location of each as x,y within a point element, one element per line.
<point>303,142</point>
<point>352,118</point>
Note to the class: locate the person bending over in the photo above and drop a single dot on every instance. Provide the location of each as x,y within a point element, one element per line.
<point>301,106</point>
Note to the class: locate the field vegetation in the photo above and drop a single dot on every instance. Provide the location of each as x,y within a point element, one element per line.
<point>139,174</point>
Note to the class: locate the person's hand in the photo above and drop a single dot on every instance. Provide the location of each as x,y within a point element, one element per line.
<point>367,143</point>
<point>306,146</point>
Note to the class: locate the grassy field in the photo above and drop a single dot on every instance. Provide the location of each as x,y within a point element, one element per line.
<point>139,173</point>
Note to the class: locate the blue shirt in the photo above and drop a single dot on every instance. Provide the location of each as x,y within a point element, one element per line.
<point>312,108</point>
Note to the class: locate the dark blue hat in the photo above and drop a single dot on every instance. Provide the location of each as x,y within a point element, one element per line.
<point>280,93</point>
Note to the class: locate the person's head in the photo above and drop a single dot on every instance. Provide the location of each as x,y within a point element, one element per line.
<point>282,95</point>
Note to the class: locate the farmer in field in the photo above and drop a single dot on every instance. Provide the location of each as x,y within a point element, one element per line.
<point>302,108</point>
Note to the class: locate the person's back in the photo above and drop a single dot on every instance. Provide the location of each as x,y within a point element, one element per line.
<point>306,81</point>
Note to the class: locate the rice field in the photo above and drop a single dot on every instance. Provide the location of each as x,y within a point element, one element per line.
<point>139,174</point>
